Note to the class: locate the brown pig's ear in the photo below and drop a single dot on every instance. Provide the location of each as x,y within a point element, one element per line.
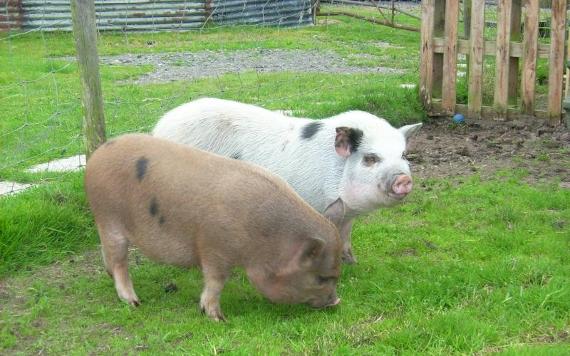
<point>335,213</point>
<point>311,249</point>
<point>347,140</point>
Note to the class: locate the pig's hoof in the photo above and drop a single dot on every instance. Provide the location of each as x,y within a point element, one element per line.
<point>213,313</point>
<point>348,258</point>
<point>135,303</point>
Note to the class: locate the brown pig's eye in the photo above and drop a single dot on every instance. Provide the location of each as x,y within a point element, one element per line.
<point>370,159</point>
<point>323,280</point>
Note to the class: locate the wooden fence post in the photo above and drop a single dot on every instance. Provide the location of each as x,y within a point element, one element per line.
<point>438,31</point>
<point>516,12</point>
<point>530,54</point>
<point>427,55</point>
<point>476,54</point>
<point>503,57</point>
<point>556,70</point>
<point>85,33</point>
<point>448,95</point>
<point>315,7</point>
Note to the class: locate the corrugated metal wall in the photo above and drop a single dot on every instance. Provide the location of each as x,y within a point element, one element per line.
<point>263,12</point>
<point>156,15</point>
<point>122,15</point>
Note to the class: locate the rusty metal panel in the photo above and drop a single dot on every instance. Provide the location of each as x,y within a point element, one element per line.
<point>10,15</point>
<point>157,15</point>
<point>262,12</point>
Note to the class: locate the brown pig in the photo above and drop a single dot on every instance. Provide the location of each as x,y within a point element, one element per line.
<point>186,207</point>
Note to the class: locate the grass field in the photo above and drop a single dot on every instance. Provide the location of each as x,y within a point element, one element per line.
<point>467,265</point>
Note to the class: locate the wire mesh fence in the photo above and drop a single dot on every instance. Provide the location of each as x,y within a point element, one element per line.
<point>265,53</point>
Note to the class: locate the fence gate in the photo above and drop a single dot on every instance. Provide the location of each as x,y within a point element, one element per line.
<point>516,49</point>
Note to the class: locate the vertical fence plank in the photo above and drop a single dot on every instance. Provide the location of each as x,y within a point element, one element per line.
<point>450,57</point>
<point>438,31</point>
<point>530,53</point>
<point>567,90</point>
<point>476,53</point>
<point>514,61</point>
<point>85,33</point>
<point>502,61</point>
<point>556,69</point>
<point>426,52</point>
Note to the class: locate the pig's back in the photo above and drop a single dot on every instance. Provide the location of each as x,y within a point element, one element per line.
<point>268,139</point>
<point>175,202</point>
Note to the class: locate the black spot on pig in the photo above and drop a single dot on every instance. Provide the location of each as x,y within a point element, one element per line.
<point>355,137</point>
<point>153,208</point>
<point>310,129</point>
<point>236,155</point>
<point>142,164</point>
<point>161,220</point>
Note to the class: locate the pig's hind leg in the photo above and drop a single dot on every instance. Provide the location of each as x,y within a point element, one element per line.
<point>214,280</point>
<point>115,250</point>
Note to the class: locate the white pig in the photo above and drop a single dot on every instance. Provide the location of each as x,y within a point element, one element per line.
<point>355,156</point>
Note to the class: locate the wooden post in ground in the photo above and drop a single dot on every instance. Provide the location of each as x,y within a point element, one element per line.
<point>315,7</point>
<point>438,31</point>
<point>476,55</point>
<point>448,99</point>
<point>467,6</point>
<point>556,70</point>
<point>530,54</point>
<point>514,61</point>
<point>503,57</point>
<point>85,33</point>
<point>426,53</point>
<point>567,90</point>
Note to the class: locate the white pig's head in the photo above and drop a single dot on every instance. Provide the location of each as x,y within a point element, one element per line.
<point>375,173</point>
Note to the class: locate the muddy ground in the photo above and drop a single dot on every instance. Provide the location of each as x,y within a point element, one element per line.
<point>443,149</point>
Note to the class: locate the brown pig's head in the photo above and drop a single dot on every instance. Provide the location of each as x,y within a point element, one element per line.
<point>306,271</point>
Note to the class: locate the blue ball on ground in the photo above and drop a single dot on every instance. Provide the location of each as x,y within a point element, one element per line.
<point>458,118</point>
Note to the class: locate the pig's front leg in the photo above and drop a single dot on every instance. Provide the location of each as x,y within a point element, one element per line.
<point>345,236</point>
<point>214,281</point>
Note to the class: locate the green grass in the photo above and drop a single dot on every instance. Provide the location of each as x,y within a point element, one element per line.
<point>464,266</point>
<point>41,91</point>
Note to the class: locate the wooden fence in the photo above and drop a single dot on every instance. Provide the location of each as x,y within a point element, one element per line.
<point>516,49</point>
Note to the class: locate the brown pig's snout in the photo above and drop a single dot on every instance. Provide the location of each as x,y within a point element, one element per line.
<point>335,301</point>
<point>401,185</point>
<point>331,302</point>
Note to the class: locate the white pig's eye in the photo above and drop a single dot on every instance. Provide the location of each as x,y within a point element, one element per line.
<point>370,159</point>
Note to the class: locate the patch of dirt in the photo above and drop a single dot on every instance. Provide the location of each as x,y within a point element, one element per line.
<point>443,149</point>
<point>170,67</point>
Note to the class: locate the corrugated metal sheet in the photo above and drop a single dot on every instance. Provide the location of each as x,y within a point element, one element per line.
<point>10,14</point>
<point>156,15</point>
<point>118,15</point>
<point>263,12</point>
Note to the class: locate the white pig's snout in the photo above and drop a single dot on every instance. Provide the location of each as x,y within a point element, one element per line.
<point>401,186</point>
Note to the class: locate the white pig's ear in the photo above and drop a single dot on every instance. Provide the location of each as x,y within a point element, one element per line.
<point>347,140</point>
<point>410,130</point>
<point>335,212</point>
